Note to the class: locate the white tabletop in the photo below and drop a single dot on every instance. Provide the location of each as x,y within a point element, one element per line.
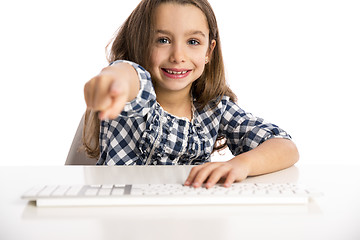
<point>335,215</point>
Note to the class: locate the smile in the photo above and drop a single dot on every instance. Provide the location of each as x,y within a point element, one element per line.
<point>175,73</point>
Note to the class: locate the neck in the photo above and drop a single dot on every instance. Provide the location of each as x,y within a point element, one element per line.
<point>176,103</point>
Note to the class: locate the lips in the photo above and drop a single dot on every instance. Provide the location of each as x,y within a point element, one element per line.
<point>175,72</point>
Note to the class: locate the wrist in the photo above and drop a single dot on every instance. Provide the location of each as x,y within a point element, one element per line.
<point>243,162</point>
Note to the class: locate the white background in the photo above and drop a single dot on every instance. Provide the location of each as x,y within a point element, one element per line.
<point>294,63</point>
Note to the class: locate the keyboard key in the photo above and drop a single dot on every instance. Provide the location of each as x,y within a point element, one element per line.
<point>47,191</point>
<point>104,192</point>
<point>118,191</point>
<point>33,191</point>
<point>60,191</point>
<point>91,192</point>
<point>73,191</point>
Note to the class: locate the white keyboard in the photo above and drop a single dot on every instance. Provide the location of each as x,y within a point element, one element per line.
<point>167,194</point>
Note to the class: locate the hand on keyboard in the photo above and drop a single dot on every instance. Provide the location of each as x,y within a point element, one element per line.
<point>230,171</point>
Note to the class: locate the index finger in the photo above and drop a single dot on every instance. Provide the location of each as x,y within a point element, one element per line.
<point>192,175</point>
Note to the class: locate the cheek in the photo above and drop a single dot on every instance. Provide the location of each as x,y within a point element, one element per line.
<point>199,58</point>
<point>154,57</point>
<point>200,61</point>
<point>153,63</point>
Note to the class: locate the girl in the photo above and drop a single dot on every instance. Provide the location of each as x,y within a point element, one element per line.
<point>179,110</point>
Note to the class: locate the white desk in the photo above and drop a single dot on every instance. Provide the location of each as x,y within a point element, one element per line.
<point>336,215</point>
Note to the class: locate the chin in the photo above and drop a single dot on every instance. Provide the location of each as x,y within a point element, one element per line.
<point>175,87</point>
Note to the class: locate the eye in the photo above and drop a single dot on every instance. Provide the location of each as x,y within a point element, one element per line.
<point>163,40</point>
<point>193,42</point>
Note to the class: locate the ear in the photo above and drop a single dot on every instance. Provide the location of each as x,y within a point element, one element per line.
<point>211,49</point>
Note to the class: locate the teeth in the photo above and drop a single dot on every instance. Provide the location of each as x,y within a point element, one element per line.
<point>176,73</point>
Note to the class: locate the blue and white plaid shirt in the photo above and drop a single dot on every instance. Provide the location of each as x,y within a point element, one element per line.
<point>144,133</point>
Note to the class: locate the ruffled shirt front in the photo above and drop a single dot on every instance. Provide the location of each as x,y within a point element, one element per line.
<point>145,134</point>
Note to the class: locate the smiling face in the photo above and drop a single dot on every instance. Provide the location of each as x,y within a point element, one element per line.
<point>180,48</point>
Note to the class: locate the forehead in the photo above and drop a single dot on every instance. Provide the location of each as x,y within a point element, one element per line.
<point>176,17</point>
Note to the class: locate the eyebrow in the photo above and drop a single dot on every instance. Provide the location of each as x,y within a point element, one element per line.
<point>191,32</point>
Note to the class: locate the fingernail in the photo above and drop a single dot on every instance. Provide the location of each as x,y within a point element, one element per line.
<point>227,185</point>
<point>195,185</point>
<point>187,183</point>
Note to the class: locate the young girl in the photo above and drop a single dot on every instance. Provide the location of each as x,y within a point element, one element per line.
<point>179,110</point>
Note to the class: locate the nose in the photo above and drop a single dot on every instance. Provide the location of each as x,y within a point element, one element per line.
<point>178,54</point>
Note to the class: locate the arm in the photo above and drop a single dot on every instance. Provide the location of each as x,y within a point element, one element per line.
<point>272,155</point>
<point>109,91</point>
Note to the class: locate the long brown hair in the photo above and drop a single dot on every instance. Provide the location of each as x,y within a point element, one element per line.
<point>133,42</point>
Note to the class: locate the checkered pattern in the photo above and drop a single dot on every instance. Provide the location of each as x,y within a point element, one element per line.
<point>144,133</point>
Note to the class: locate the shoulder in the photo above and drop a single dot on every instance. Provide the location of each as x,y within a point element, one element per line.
<point>220,104</point>
<point>219,108</point>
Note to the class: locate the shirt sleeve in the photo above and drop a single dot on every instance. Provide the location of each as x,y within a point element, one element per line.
<point>146,97</point>
<point>244,132</point>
